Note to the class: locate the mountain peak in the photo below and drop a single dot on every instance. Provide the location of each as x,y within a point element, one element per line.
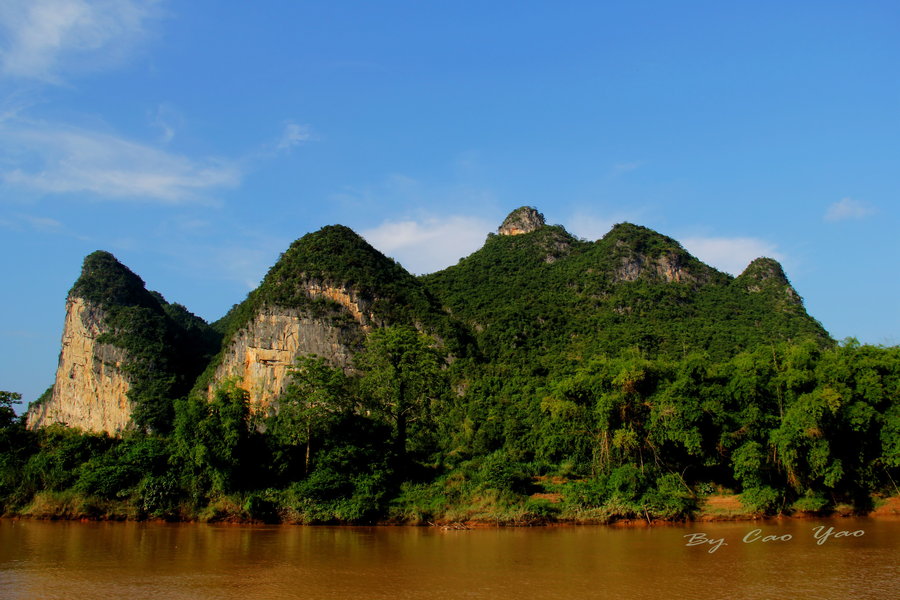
<point>334,254</point>
<point>763,269</point>
<point>766,274</point>
<point>524,219</point>
<point>106,281</point>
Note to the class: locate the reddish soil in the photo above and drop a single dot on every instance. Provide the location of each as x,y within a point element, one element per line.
<point>723,507</point>
<point>890,508</point>
<point>729,503</point>
<point>553,498</point>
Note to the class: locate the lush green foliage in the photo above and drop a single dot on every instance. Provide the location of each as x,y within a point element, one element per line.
<point>545,297</point>
<point>789,427</point>
<point>564,379</point>
<point>402,382</point>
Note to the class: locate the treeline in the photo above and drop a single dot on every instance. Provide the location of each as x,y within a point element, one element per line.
<point>410,436</point>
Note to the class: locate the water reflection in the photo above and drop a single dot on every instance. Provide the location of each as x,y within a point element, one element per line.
<point>140,560</point>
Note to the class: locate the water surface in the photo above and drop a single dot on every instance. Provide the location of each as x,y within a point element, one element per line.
<point>150,560</point>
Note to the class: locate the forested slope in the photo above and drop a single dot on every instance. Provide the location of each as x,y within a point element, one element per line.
<point>542,378</point>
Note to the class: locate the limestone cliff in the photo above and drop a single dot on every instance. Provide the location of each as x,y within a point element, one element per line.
<point>126,354</point>
<point>90,390</point>
<point>669,267</point>
<point>261,353</point>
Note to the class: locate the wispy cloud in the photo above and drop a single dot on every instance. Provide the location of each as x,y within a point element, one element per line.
<point>626,167</point>
<point>588,225</point>
<point>58,159</point>
<point>294,134</point>
<point>417,199</point>
<point>848,209</point>
<point>44,224</point>
<point>39,224</point>
<point>167,120</point>
<point>431,244</point>
<point>243,259</point>
<point>731,255</point>
<point>42,39</point>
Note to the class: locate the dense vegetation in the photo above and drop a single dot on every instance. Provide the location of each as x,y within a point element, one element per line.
<point>546,296</point>
<point>789,427</point>
<point>566,379</point>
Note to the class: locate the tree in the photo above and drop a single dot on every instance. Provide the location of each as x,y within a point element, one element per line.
<point>7,414</point>
<point>401,378</point>
<point>16,446</point>
<point>212,439</point>
<point>316,394</point>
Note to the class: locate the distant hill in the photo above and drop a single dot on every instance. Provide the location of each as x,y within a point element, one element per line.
<point>534,298</point>
<point>536,290</point>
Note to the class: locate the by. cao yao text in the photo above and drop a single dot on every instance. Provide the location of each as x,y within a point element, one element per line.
<point>820,534</point>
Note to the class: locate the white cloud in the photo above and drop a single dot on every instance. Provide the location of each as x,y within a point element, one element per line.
<point>60,159</point>
<point>587,225</point>
<point>590,227</point>
<point>294,134</point>
<point>847,209</point>
<point>44,38</point>
<point>430,244</point>
<point>731,255</point>
<point>239,261</point>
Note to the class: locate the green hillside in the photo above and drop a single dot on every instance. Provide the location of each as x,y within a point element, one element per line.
<point>335,255</point>
<point>547,293</point>
<point>542,378</point>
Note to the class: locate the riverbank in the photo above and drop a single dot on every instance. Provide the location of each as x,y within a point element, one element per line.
<point>240,510</point>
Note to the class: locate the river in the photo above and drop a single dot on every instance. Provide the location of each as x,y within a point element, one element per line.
<point>803,558</point>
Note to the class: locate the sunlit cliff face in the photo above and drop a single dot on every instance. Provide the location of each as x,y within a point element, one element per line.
<point>90,390</point>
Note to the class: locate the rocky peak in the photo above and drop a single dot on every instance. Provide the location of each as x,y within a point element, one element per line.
<point>766,274</point>
<point>641,253</point>
<point>522,220</point>
<point>764,269</point>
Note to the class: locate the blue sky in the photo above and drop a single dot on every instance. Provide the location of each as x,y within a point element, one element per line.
<point>196,140</point>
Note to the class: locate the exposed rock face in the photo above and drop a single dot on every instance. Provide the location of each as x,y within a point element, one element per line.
<point>522,220</point>
<point>360,309</point>
<point>90,389</point>
<point>263,351</point>
<point>666,267</point>
<point>669,267</point>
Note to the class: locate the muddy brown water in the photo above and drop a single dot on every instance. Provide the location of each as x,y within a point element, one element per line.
<point>826,558</point>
